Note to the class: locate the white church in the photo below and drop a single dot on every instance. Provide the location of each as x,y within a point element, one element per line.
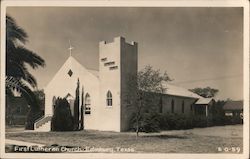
<point>105,90</point>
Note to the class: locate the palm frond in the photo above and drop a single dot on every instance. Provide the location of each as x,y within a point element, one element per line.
<point>29,57</point>
<point>15,69</point>
<point>30,79</point>
<point>17,57</point>
<point>19,71</point>
<point>12,83</point>
<point>14,32</point>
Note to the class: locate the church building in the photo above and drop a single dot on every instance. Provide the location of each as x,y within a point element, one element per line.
<point>105,90</point>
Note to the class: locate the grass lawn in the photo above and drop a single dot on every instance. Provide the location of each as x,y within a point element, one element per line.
<point>199,140</point>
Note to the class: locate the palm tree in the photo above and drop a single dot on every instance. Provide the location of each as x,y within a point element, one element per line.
<point>17,59</point>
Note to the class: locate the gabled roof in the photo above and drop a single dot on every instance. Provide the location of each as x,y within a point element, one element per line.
<point>179,91</point>
<point>71,64</point>
<point>233,105</point>
<point>94,72</point>
<point>203,101</point>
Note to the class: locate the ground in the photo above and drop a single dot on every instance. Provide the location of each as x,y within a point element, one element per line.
<point>198,140</point>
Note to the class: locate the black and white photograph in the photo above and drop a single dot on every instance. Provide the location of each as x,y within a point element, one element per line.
<point>123,80</point>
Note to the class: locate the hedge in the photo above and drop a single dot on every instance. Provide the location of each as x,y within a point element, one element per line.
<point>154,122</point>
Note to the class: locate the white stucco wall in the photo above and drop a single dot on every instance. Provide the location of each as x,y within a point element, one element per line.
<point>124,56</point>
<point>129,69</point>
<point>110,81</point>
<point>62,84</point>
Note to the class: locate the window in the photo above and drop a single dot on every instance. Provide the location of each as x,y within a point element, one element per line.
<point>182,107</point>
<point>109,98</point>
<point>70,73</point>
<point>172,106</point>
<point>109,63</point>
<point>113,68</point>
<point>104,59</point>
<point>87,104</point>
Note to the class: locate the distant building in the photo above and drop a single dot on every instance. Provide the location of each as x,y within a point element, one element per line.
<point>233,108</point>
<point>105,90</point>
<point>203,106</point>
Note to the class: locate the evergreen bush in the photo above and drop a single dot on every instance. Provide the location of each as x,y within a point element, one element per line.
<point>76,108</point>
<point>62,119</point>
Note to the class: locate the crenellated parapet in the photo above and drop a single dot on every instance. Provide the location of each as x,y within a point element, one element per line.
<point>118,39</point>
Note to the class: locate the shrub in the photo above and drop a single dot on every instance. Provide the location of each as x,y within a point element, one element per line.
<point>62,119</point>
<point>148,122</point>
<point>232,120</point>
<point>32,116</point>
<point>154,122</point>
<point>200,121</point>
<point>219,120</point>
<point>175,122</point>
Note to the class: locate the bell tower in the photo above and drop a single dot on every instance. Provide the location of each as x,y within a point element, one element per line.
<point>118,60</point>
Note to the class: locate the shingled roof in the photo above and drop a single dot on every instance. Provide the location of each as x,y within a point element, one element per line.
<point>204,101</point>
<point>233,105</point>
<point>179,91</point>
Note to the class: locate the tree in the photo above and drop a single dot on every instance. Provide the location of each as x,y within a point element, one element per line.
<point>206,92</point>
<point>218,112</point>
<point>82,111</point>
<point>62,119</point>
<point>38,112</point>
<point>76,107</point>
<point>141,89</point>
<point>40,95</point>
<point>17,58</point>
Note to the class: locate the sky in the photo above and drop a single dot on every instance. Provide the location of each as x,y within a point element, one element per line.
<point>197,47</point>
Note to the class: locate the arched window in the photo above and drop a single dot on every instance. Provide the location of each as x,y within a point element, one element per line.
<point>109,98</point>
<point>87,104</point>
<point>183,107</point>
<point>172,106</point>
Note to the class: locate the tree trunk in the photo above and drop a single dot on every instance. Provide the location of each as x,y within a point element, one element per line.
<point>137,127</point>
<point>137,119</point>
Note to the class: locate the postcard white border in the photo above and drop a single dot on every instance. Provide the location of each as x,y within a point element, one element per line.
<point>117,3</point>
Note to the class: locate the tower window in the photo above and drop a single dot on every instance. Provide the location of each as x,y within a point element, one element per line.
<point>172,106</point>
<point>109,63</point>
<point>70,73</point>
<point>87,104</point>
<point>104,59</point>
<point>113,68</point>
<point>109,98</point>
<point>182,107</point>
